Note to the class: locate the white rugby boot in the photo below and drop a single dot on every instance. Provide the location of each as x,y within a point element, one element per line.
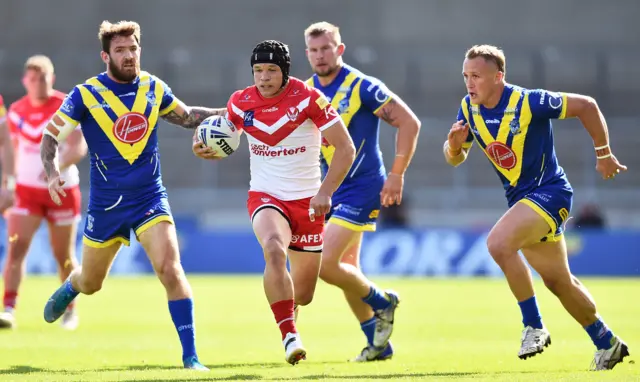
<point>370,354</point>
<point>293,349</point>
<point>384,320</point>
<point>606,359</point>
<point>7,320</point>
<point>533,342</point>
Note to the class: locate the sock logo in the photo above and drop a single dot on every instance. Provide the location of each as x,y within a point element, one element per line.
<point>185,327</point>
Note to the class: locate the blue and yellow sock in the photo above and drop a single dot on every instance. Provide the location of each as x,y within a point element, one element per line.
<point>600,334</point>
<point>369,328</point>
<point>182,314</point>
<point>376,299</point>
<point>530,313</point>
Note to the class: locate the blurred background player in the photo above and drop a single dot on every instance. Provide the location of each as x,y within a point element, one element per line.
<point>27,118</point>
<point>8,186</point>
<point>118,111</point>
<point>539,196</point>
<point>285,122</point>
<point>361,101</point>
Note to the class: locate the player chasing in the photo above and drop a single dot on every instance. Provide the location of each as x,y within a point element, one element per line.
<point>118,111</point>
<point>26,119</point>
<point>539,196</point>
<point>361,101</point>
<point>285,122</point>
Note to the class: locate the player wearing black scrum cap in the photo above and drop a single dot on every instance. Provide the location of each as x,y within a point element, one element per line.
<point>286,121</point>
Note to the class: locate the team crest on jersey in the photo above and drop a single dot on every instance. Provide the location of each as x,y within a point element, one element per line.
<point>501,155</point>
<point>265,200</point>
<point>343,106</point>
<point>514,126</point>
<point>293,113</point>
<point>130,128</point>
<point>151,98</point>
<point>248,118</point>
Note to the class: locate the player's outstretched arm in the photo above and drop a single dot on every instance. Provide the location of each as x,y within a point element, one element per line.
<point>397,114</point>
<point>343,156</point>
<point>588,112</point>
<point>190,117</point>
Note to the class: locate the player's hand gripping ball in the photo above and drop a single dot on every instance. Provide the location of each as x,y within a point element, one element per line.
<point>219,134</point>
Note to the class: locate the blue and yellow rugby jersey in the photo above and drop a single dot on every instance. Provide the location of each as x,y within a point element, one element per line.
<point>517,138</point>
<point>357,97</point>
<point>119,124</point>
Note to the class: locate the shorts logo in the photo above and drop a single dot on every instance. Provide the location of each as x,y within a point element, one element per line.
<point>89,223</point>
<point>501,155</point>
<point>265,200</point>
<point>348,210</point>
<point>374,214</point>
<point>131,128</point>
<point>306,239</point>
<point>564,214</point>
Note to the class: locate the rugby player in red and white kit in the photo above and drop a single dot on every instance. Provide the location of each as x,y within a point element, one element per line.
<point>285,121</point>
<point>27,119</point>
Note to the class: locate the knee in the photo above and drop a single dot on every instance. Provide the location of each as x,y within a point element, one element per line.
<point>304,298</point>
<point>170,273</point>
<point>275,251</point>
<point>17,249</point>
<point>557,283</point>
<point>329,267</point>
<point>499,247</point>
<point>328,271</point>
<point>89,285</point>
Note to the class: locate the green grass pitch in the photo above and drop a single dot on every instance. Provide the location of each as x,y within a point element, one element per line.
<point>446,329</point>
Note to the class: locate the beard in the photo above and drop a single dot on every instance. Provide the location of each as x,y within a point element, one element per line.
<point>325,72</point>
<point>127,75</point>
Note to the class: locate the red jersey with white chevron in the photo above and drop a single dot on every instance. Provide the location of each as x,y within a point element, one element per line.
<point>26,123</point>
<point>284,137</point>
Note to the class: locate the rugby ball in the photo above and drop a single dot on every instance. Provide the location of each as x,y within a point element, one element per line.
<point>220,134</point>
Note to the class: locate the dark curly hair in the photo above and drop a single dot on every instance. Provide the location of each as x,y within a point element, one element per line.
<point>273,52</point>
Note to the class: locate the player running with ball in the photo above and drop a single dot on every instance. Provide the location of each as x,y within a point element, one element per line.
<point>285,121</point>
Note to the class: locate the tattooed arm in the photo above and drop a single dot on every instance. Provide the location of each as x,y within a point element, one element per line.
<point>190,117</point>
<point>397,114</point>
<point>56,130</point>
<point>49,156</point>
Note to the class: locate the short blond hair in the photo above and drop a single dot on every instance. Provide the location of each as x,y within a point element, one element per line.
<point>40,63</point>
<point>489,53</point>
<point>122,28</point>
<point>324,27</point>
